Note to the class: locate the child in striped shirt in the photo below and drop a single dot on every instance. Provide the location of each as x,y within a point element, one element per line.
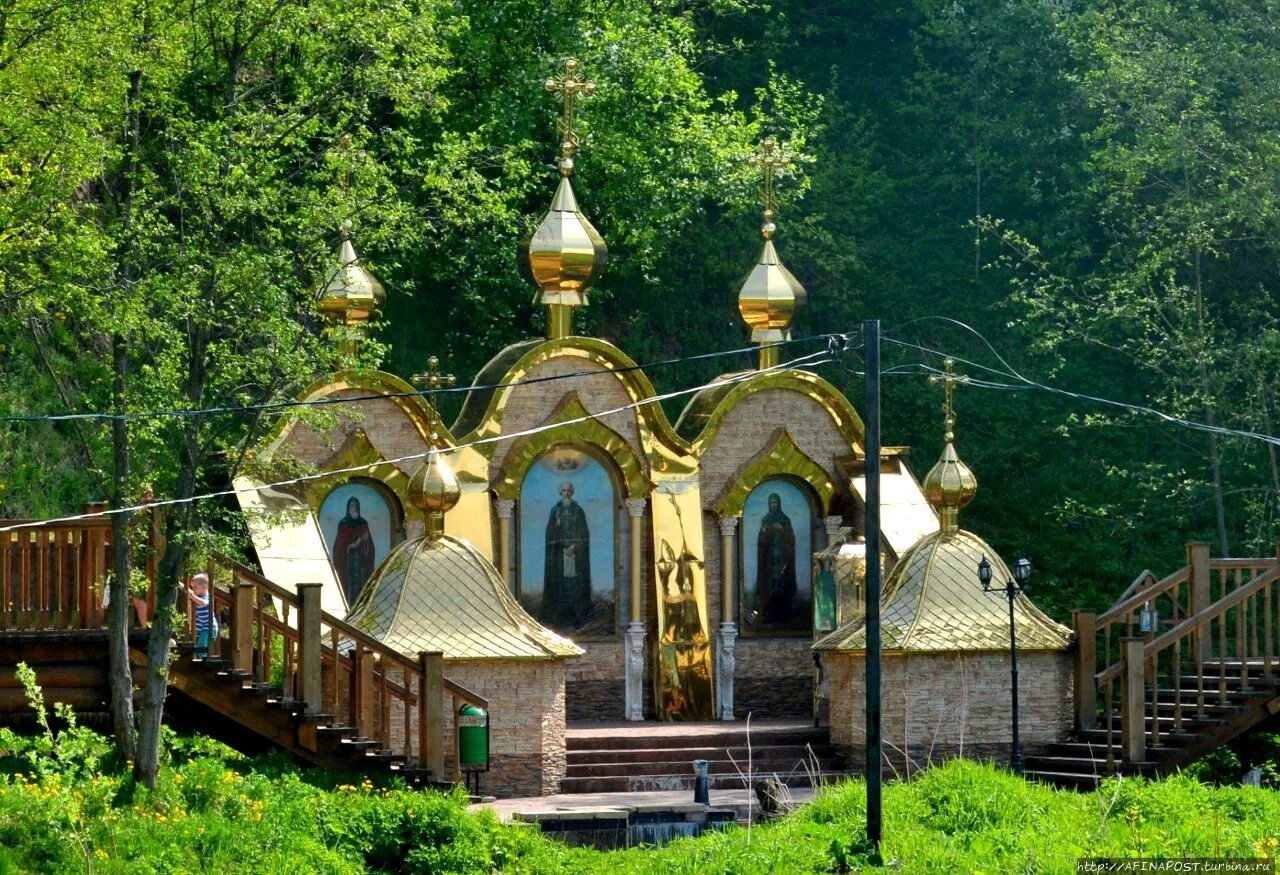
<point>206,623</point>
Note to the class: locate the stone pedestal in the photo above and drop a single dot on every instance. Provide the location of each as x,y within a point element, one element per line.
<point>726,640</point>
<point>634,695</point>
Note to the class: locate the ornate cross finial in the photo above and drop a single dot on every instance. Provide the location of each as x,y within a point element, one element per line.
<point>568,85</point>
<point>949,380</point>
<point>769,158</point>
<point>433,380</point>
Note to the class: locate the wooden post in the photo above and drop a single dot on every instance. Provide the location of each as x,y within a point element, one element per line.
<point>362,708</point>
<point>431,714</point>
<point>1198,563</point>
<point>1086,689</point>
<point>242,626</point>
<point>1133,735</point>
<point>309,645</point>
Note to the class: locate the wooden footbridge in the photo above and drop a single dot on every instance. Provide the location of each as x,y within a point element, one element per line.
<point>1176,667</point>
<point>285,673</point>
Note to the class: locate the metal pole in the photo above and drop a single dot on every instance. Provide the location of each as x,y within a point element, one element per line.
<point>872,440</point>
<point>1015,760</point>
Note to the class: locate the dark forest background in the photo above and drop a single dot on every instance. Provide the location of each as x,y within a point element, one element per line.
<point>1091,187</point>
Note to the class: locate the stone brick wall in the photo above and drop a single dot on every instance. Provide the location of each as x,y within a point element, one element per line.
<point>746,430</point>
<point>773,677</point>
<point>530,405</point>
<point>384,422</point>
<point>938,706</point>
<point>594,683</point>
<point>526,718</point>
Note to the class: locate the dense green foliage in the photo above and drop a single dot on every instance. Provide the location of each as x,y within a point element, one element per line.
<point>66,806</point>
<point>1089,185</point>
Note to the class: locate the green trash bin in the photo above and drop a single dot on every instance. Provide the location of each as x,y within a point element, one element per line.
<point>473,739</point>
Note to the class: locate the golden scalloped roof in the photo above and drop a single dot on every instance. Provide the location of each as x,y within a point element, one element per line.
<point>934,603</point>
<point>443,595</point>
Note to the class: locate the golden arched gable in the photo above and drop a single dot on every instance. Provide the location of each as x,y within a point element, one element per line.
<point>701,420</point>
<point>358,453</point>
<point>378,385</point>
<point>481,417</point>
<point>780,457</point>
<point>576,427</point>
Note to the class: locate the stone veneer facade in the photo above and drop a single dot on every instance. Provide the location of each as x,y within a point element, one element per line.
<point>936,705</point>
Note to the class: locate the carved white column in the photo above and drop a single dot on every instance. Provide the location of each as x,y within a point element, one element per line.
<point>727,634</point>
<point>506,552</point>
<point>832,524</point>
<point>635,635</point>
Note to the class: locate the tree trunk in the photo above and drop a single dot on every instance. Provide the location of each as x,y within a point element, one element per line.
<point>120,675</point>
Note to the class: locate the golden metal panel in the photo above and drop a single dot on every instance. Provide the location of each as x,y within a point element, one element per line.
<point>779,456</point>
<point>933,602</point>
<point>444,595</point>
<point>682,681</point>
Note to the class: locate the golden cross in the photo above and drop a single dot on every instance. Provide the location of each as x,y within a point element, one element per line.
<point>568,85</point>
<point>769,158</point>
<point>432,381</point>
<point>949,380</point>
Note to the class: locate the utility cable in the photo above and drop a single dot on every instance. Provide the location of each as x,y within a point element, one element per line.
<point>811,360</point>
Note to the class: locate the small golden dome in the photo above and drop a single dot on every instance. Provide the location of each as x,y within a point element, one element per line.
<point>949,486</point>
<point>769,295</point>
<point>566,254</point>
<point>434,490</point>
<point>351,295</point>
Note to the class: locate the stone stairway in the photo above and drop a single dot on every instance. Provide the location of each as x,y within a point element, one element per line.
<point>637,757</point>
<point>259,712</point>
<point>1187,730</point>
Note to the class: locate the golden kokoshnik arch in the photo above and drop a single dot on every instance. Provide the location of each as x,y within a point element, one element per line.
<point>779,458</point>
<point>589,434</point>
<point>481,417</point>
<point>381,386</point>
<point>702,419</point>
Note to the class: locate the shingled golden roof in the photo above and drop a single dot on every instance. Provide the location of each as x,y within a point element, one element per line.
<point>443,595</point>
<point>933,603</point>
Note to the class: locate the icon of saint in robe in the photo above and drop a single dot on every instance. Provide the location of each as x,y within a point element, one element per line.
<point>353,553</point>
<point>775,565</point>
<point>566,588</point>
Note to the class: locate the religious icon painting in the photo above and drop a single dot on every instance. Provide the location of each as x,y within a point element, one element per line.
<point>568,521</point>
<point>777,547</point>
<point>359,526</point>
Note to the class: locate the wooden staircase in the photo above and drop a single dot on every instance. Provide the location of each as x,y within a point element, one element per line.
<point>1188,664</point>
<point>288,675</point>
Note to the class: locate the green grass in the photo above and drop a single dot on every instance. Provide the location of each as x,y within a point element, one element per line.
<point>66,806</point>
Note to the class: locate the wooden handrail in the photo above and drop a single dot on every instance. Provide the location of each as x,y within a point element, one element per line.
<point>1191,624</point>
<point>468,696</point>
<point>1146,574</point>
<point>1127,606</point>
<point>1243,563</point>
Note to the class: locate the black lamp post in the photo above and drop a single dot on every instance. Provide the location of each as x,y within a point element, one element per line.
<point>1010,588</point>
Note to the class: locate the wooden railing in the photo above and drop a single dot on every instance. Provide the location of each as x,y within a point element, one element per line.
<point>284,640</point>
<point>52,575</point>
<point>1208,627</point>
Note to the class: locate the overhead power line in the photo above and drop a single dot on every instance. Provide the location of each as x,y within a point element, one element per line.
<point>810,360</point>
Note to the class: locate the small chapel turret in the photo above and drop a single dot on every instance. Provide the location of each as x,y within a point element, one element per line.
<point>349,296</point>
<point>769,295</point>
<point>566,254</point>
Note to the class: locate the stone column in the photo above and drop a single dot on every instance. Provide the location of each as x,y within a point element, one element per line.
<point>506,550</point>
<point>635,635</point>
<point>727,634</point>
<point>832,524</point>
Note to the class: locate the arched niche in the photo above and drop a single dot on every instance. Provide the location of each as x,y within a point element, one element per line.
<point>568,516</point>
<point>779,457</point>
<point>361,520</point>
<point>780,521</point>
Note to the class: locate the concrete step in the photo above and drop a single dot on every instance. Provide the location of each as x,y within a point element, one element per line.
<point>1065,780</point>
<point>715,767</point>
<point>646,783</point>
<point>711,737</point>
<point>663,754</point>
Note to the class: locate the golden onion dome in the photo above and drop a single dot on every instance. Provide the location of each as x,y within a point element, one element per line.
<point>351,295</point>
<point>434,490</point>
<point>566,254</point>
<point>949,486</point>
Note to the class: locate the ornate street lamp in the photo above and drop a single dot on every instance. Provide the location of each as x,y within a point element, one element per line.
<point>1010,588</point>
